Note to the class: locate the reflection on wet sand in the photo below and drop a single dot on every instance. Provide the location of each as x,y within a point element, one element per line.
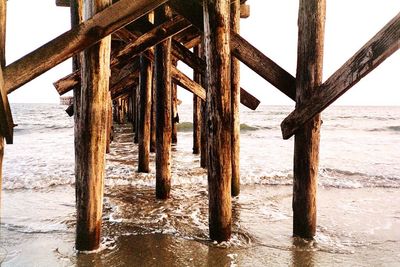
<point>303,252</point>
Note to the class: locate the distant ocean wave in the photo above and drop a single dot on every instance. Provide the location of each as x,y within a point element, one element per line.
<point>388,128</point>
<point>366,117</point>
<point>125,175</point>
<point>188,127</point>
<point>348,179</point>
<point>40,182</point>
<point>42,155</point>
<point>41,126</point>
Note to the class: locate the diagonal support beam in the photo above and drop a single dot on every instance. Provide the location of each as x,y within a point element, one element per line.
<point>151,38</point>
<point>75,40</point>
<point>185,82</point>
<point>373,53</point>
<point>192,10</point>
<point>124,85</point>
<point>66,84</point>
<point>199,65</point>
<point>131,50</point>
<point>263,66</point>
<point>248,100</point>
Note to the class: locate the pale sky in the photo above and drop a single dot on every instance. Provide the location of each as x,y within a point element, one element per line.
<point>271,27</point>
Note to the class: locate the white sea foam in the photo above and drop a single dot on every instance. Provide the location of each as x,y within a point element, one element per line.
<point>42,155</point>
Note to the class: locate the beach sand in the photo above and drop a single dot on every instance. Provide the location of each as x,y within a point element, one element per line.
<point>358,227</point>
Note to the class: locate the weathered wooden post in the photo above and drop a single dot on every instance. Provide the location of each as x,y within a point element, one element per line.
<point>93,125</point>
<point>235,85</point>
<point>153,115</point>
<point>217,50</point>
<point>135,97</point>
<point>130,108</point>
<point>203,111</point>
<point>109,122</point>
<point>196,110</point>
<point>76,9</point>
<point>306,144</point>
<point>123,114</point>
<point>174,109</point>
<point>145,85</point>
<point>163,111</point>
<point>3,13</point>
<point>3,16</point>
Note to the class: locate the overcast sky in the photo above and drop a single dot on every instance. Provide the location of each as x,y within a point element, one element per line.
<point>272,28</point>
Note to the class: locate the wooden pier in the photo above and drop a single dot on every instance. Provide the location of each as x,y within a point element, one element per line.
<point>125,56</point>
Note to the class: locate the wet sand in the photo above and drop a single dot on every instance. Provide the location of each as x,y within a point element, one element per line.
<point>356,227</point>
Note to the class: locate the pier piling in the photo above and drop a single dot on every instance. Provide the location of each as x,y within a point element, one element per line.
<point>153,114</point>
<point>145,85</point>
<point>3,12</point>
<point>93,125</point>
<point>163,110</point>
<point>135,124</point>
<point>197,118</point>
<point>306,144</point>
<point>217,51</point>
<point>235,85</point>
<point>108,89</point>
<point>174,108</point>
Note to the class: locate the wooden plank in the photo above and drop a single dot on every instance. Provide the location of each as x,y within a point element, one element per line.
<point>185,82</point>
<point>263,66</point>
<point>192,10</point>
<point>151,38</point>
<point>199,65</point>
<point>125,84</point>
<point>63,3</point>
<point>306,144</point>
<point>73,80</point>
<point>163,112</point>
<point>69,82</point>
<point>75,40</point>
<point>248,100</point>
<point>180,52</point>
<point>217,51</point>
<point>242,50</point>
<point>6,120</point>
<point>93,130</point>
<point>65,84</point>
<point>370,56</point>
<point>131,50</point>
<point>244,11</point>
<point>189,37</point>
<point>145,85</point>
<point>235,104</point>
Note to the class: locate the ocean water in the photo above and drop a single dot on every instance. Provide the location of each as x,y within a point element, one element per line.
<point>358,196</point>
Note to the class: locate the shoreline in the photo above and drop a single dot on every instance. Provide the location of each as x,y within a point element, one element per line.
<point>349,228</point>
